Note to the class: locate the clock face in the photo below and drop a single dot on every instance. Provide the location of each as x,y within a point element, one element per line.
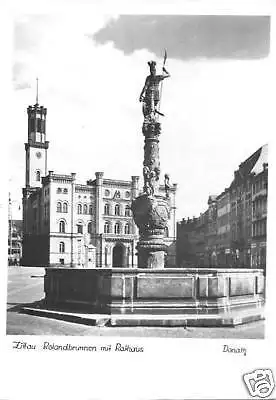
<point>38,154</point>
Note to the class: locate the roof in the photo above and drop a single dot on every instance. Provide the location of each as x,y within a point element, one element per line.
<point>263,159</point>
<point>253,164</point>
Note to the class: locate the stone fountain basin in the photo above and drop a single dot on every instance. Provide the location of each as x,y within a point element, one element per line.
<point>182,292</point>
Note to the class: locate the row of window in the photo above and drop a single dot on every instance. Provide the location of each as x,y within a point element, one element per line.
<point>85,209</point>
<point>259,228</point>
<point>117,194</point>
<point>40,125</point>
<point>62,227</point>
<point>117,210</point>
<point>259,185</point>
<point>62,190</point>
<point>62,207</point>
<point>118,228</point>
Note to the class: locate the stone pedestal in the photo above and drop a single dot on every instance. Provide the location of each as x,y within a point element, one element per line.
<point>151,214</point>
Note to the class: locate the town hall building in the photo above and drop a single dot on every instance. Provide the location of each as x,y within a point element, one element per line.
<point>69,224</point>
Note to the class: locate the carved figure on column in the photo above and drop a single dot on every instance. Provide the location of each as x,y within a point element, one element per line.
<point>150,95</point>
<point>167,185</point>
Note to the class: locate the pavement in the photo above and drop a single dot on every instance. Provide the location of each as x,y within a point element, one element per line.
<point>25,292</point>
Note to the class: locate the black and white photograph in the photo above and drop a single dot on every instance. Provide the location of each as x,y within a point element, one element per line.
<point>137,199</point>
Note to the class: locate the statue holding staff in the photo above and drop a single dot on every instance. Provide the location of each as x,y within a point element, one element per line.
<point>150,95</point>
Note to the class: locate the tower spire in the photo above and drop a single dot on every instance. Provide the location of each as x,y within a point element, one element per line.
<point>36,90</point>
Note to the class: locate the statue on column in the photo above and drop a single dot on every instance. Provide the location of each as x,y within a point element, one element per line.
<point>150,95</point>
<point>167,185</point>
<point>151,178</point>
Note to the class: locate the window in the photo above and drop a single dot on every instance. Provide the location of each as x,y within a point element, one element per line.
<point>117,209</point>
<point>85,209</point>
<point>79,228</point>
<point>79,208</point>
<point>127,211</point>
<point>38,127</point>
<point>62,226</point>
<point>65,191</point>
<point>106,209</point>
<point>127,229</point>
<point>42,126</point>
<point>65,207</point>
<point>117,228</point>
<point>90,209</point>
<point>127,194</point>
<point>107,193</point>
<point>59,190</point>
<point>61,261</point>
<point>61,247</point>
<point>107,227</point>
<point>117,194</point>
<point>89,227</point>
<point>166,232</point>
<point>38,176</point>
<point>59,206</point>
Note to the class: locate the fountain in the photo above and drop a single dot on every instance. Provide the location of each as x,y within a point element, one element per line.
<point>152,294</point>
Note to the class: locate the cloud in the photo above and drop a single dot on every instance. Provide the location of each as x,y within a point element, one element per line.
<point>189,37</point>
<point>29,39</point>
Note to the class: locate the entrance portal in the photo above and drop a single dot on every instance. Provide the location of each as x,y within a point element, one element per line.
<point>118,256</point>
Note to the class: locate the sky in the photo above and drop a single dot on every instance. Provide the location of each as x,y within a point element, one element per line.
<point>91,69</point>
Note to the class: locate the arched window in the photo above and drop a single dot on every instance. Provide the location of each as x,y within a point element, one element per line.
<point>38,176</point>
<point>89,227</point>
<point>106,209</point>
<point>127,229</point>
<point>85,209</point>
<point>59,206</point>
<point>107,227</point>
<point>62,226</point>
<point>90,209</point>
<point>61,247</point>
<point>65,207</point>
<point>117,228</point>
<point>117,209</point>
<point>127,211</point>
<point>79,209</point>
<point>79,227</point>
<point>166,232</point>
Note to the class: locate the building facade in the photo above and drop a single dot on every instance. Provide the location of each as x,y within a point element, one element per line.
<point>235,228</point>
<point>224,251</point>
<point>259,210</point>
<point>66,223</point>
<point>15,242</point>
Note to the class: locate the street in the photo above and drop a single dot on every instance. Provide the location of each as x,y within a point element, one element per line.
<point>25,286</point>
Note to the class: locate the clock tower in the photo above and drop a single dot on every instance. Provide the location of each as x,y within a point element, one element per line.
<point>36,147</point>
